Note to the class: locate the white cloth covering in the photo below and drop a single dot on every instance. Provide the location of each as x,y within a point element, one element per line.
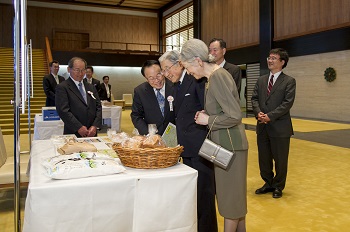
<point>45,129</point>
<point>137,200</point>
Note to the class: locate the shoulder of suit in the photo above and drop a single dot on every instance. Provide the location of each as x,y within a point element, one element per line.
<point>169,84</point>
<point>230,65</point>
<point>142,86</point>
<point>286,76</point>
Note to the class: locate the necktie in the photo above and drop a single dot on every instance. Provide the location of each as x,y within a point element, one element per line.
<point>56,78</point>
<point>107,89</point>
<point>269,87</point>
<point>161,101</point>
<point>178,86</point>
<point>82,91</point>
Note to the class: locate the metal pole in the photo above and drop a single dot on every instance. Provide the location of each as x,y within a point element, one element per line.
<point>31,67</point>
<point>29,85</point>
<point>16,50</point>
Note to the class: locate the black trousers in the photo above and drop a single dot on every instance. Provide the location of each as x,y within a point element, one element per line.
<point>206,211</point>
<point>273,149</point>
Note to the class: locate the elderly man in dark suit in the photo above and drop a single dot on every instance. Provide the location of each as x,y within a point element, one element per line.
<point>89,79</point>
<point>77,102</point>
<point>189,98</point>
<point>152,100</point>
<point>51,81</point>
<point>272,99</point>
<point>217,48</point>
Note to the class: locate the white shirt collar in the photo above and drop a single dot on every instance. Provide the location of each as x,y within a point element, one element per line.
<point>162,90</point>
<point>77,82</point>
<point>183,75</point>
<point>222,63</point>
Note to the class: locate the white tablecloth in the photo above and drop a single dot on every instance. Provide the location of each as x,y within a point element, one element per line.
<point>45,129</point>
<point>134,201</point>
<point>114,113</point>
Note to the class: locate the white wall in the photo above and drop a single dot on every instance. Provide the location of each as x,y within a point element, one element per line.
<point>315,97</point>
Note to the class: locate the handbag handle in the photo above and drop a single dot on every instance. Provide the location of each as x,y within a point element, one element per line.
<point>228,132</point>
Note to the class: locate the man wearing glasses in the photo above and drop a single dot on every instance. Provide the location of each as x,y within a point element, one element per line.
<point>77,102</point>
<point>153,100</point>
<point>272,99</point>
<point>189,98</point>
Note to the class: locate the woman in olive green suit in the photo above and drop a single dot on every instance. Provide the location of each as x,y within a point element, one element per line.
<point>222,104</point>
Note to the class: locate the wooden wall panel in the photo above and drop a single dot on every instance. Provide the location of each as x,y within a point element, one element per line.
<point>101,27</point>
<point>300,17</point>
<point>6,28</point>
<point>237,22</point>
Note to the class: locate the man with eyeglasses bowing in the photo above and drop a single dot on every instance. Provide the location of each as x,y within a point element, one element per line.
<point>272,99</point>
<point>152,102</point>
<point>78,103</point>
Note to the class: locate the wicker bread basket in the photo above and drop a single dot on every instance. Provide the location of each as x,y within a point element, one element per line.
<point>148,158</point>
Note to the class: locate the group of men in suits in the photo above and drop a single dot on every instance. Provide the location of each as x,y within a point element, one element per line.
<point>104,89</point>
<point>184,96</point>
<point>51,80</point>
<point>176,99</point>
<point>77,99</point>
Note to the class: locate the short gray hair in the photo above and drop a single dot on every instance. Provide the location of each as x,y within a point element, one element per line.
<point>71,61</point>
<point>173,56</point>
<point>194,48</point>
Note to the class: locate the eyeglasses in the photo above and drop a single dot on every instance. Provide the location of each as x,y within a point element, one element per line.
<point>272,58</point>
<point>79,70</point>
<point>167,69</point>
<point>158,77</point>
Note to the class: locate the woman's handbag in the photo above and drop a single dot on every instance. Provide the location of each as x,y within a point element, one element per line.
<point>215,153</point>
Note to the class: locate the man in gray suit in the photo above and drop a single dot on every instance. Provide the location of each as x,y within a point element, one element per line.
<point>77,102</point>
<point>217,48</point>
<point>272,99</point>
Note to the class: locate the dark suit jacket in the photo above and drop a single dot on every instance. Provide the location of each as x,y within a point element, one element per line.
<point>73,110</point>
<point>277,105</point>
<point>236,74</point>
<point>188,100</point>
<point>103,92</point>
<point>145,109</point>
<point>95,83</point>
<point>49,85</point>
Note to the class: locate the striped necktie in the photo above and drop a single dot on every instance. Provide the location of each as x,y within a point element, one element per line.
<point>82,91</point>
<point>269,87</point>
<point>161,101</point>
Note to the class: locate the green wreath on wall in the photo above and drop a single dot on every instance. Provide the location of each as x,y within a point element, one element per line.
<point>329,74</point>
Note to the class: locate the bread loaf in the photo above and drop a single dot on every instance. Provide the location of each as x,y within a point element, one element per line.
<point>153,141</point>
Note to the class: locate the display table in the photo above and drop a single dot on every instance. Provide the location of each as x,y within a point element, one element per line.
<point>135,201</point>
<point>113,113</point>
<point>45,129</point>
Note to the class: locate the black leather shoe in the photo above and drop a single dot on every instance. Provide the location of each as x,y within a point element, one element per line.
<point>264,190</point>
<point>277,193</point>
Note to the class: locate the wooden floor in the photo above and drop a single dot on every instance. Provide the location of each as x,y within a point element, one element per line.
<point>316,197</point>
